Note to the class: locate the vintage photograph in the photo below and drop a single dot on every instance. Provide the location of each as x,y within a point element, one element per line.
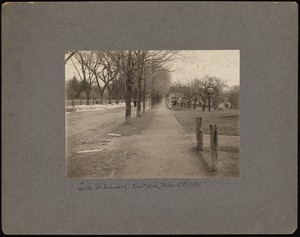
<point>139,114</point>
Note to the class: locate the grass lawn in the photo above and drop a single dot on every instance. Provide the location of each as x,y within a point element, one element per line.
<point>228,161</point>
<point>136,126</point>
<point>227,121</point>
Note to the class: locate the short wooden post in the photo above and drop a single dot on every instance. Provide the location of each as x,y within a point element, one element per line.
<point>73,103</point>
<point>93,101</point>
<point>81,102</point>
<point>199,134</point>
<point>214,147</point>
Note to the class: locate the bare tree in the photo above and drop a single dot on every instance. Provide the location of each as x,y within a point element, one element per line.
<point>154,64</point>
<point>210,86</point>
<point>208,89</point>
<point>140,78</point>
<point>68,55</point>
<point>162,81</point>
<point>196,92</point>
<point>146,84</point>
<point>129,62</point>
<point>117,88</point>
<point>133,64</point>
<point>187,92</point>
<point>82,66</point>
<point>104,71</point>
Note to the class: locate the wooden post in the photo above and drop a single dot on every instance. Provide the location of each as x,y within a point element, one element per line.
<point>93,101</point>
<point>81,102</point>
<point>214,147</point>
<point>73,103</point>
<point>199,134</point>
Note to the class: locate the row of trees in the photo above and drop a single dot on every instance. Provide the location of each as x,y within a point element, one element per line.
<point>122,74</point>
<point>75,90</point>
<point>208,91</point>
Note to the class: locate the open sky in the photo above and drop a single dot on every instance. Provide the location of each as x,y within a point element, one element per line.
<point>191,64</point>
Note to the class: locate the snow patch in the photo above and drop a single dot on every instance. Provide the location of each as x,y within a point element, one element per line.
<point>96,107</point>
<point>87,151</point>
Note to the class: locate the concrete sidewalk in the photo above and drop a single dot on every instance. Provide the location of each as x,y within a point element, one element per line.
<point>163,150</point>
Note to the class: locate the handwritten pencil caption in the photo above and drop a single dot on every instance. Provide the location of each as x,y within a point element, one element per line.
<point>155,185</point>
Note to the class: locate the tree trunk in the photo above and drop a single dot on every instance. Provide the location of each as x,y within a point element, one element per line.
<point>139,94</point>
<point>214,147</point>
<point>139,107</point>
<point>128,95</point>
<point>194,107</point>
<point>109,95</point>
<point>88,100</point>
<point>100,92</point>
<point>203,106</point>
<point>87,92</point>
<point>144,101</point>
<point>128,91</point>
<point>144,95</point>
<point>208,103</point>
<point>199,134</point>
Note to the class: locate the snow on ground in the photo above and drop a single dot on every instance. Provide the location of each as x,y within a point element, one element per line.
<point>84,108</point>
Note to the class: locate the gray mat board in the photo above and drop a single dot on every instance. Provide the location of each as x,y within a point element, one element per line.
<point>36,196</point>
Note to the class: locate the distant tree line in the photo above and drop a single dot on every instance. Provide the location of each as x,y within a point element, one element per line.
<point>209,92</point>
<point>129,75</point>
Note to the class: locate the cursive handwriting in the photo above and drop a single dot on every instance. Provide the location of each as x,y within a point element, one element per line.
<point>85,186</point>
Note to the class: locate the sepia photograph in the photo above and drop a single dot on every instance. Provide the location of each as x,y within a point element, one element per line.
<point>144,114</point>
<point>149,118</point>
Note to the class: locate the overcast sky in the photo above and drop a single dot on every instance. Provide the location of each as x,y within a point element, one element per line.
<point>224,64</point>
<point>190,64</point>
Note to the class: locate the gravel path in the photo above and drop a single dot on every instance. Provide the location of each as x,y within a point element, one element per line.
<point>163,150</point>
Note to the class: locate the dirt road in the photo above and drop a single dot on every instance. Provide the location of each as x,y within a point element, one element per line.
<point>161,150</point>
<point>86,128</point>
<point>88,131</point>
